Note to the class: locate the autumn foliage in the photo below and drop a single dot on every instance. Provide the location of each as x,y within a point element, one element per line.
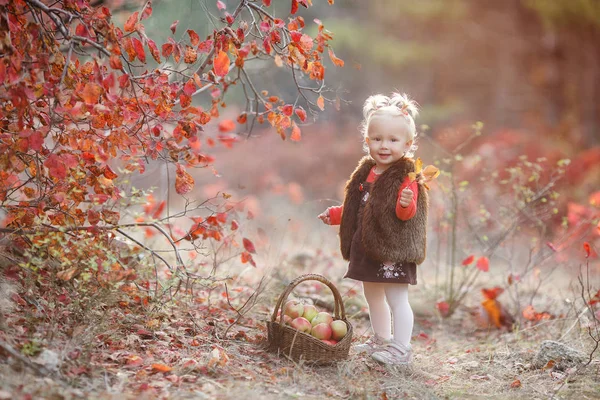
<point>86,104</point>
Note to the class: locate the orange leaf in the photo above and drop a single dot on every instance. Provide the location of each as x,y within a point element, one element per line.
<point>336,61</point>
<point>249,246</point>
<point>183,181</point>
<point>515,384</point>
<point>91,93</point>
<point>483,264</point>
<point>321,103</point>
<point>161,368</point>
<point>194,38</point>
<point>221,64</point>
<point>190,56</point>
<point>468,260</point>
<point>493,310</point>
<point>296,133</point>
<point>131,23</point>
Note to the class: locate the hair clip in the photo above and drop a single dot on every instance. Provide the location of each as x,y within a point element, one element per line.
<point>403,109</point>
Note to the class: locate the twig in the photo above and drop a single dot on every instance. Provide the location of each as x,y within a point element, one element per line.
<point>40,370</point>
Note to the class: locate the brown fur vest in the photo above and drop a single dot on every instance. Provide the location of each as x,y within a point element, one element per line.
<point>384,236</point>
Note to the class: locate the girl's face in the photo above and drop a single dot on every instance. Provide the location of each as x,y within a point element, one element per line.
<point>388,138</point>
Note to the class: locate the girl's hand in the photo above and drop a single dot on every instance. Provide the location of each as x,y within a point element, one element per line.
<point>406,197</point>
<point>324,216</point>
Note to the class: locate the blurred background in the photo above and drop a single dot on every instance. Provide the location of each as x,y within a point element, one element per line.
<point>528,70</point>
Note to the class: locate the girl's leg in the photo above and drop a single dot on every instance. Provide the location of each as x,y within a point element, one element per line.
<point>397,297</point>
<point>378,309</point>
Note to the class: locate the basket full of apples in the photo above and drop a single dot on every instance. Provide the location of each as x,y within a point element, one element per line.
<point>300,331</point>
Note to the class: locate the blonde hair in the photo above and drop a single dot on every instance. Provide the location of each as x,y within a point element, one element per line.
<point>397,105</point>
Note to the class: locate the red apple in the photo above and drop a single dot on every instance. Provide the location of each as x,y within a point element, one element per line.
<point>287,320</point>
<point>322,318</point>
<point>310,312</point>
<point>329,342</point>
<point>338,329</point>
<point>301,324</point>
<point>293,309</point>
<point>321,331</point>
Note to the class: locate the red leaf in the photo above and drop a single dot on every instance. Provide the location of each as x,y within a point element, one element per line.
<point>267,3</point>
<point>56,167</point>
<point>234,225</point>
<point>189,88</point>
<point>468,260</point>
<point>301,114</point>
<point>288,110</point>
<point>173,26</point>
<point>491,294</point>
<point>247,257</point>
<point>249,246</point>
<point>154,50</point>
<point>226,125</point>
<point>221,5</point>
<point>109,173</point>
<point>221,64</point>
<point>183,181</point>
<point>483,264</point>
<point>115,62</point>
<point>93,217</point>
<point>139,49</point>
<point>194,38</point>
<point>587,248</point>
<point>443,307</point>
<point>167,49</point>
<point>294,7</point>
<point>147,12</point>
<point>131,23</point>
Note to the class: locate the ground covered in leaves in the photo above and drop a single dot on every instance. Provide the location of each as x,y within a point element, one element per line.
<point>196,345</point>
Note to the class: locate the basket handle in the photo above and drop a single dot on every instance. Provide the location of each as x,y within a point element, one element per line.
<point>338,304</point>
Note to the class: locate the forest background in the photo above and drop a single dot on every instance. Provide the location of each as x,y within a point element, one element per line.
<point>510,96</point>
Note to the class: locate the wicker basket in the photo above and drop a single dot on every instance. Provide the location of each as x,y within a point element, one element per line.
<point>302,346</point>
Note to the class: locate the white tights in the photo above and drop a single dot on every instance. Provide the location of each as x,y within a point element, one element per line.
<point>396,295</point>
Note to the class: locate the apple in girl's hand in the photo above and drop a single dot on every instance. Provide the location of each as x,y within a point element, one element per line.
<point>293,309</point>
<point>310,311</point>
<point>329,342</point>
<point>321,331</point>
<point>338,329</point>
<point>322,318</point>
<point>301,324</point>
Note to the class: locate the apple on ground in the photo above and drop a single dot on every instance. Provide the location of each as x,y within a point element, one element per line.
<point>321,331</point>
<point>302,324</point>
<point>293,309</point>
<point>322,318</point>
<point>338,329</point>
<point>329,342</point>
<point>310,311</point>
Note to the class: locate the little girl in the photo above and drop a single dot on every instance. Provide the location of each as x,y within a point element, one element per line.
<point>382,224</point>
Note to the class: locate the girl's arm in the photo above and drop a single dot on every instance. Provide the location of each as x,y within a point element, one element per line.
<point>406,213</point>
<point>335,215</point>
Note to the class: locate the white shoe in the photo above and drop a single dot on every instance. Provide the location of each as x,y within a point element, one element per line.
<point>393,354</point>
<point>374,343</point>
